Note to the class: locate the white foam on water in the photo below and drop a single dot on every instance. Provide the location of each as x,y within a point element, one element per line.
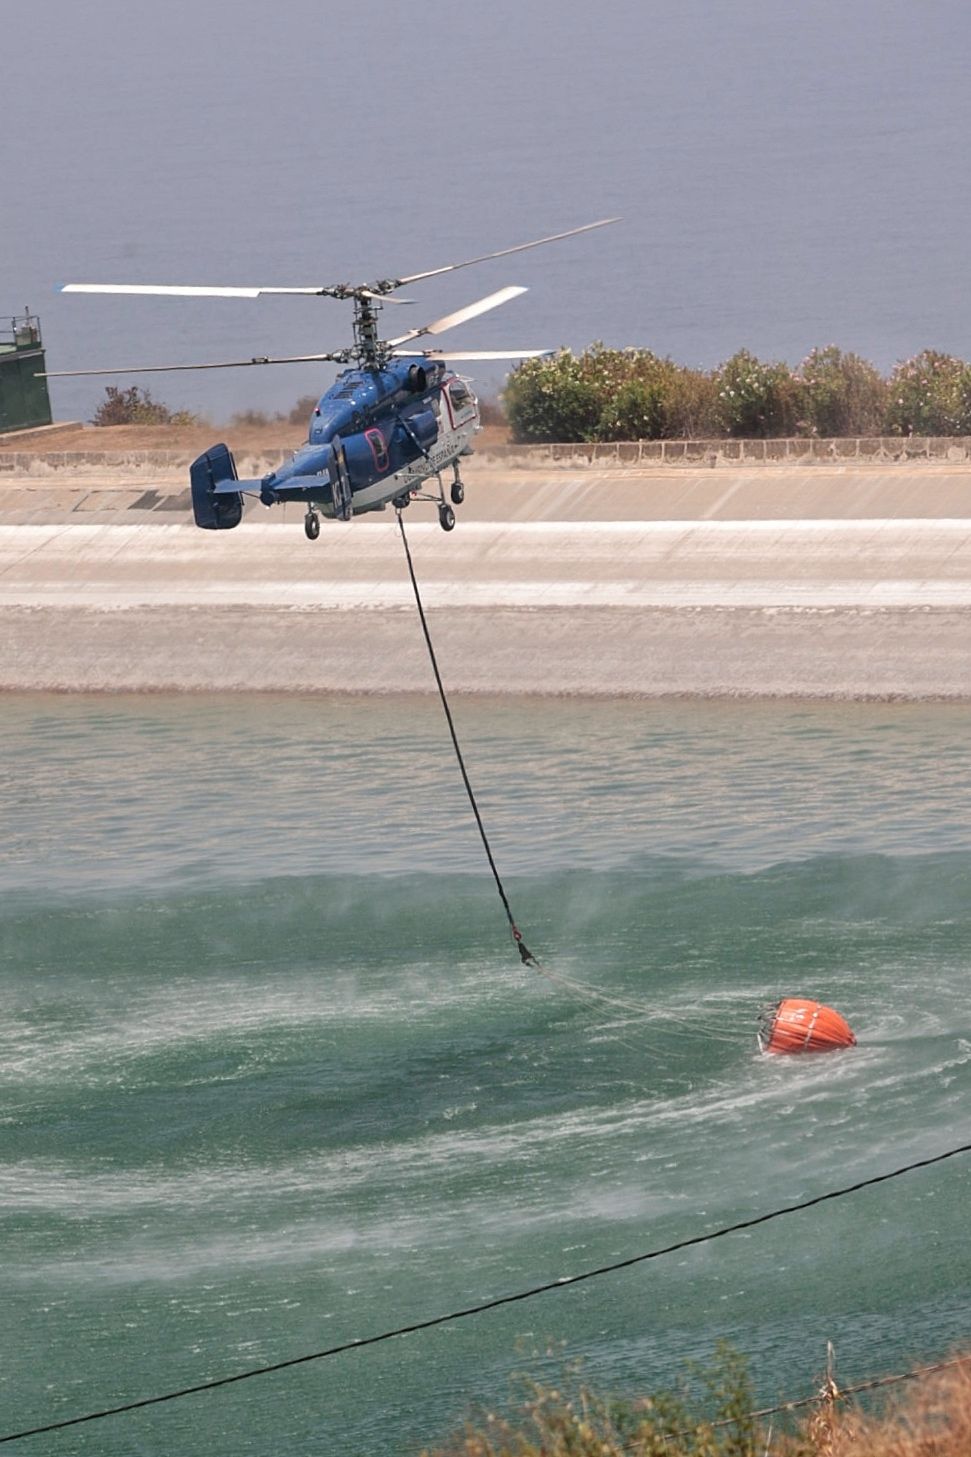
<point>812,1110</point>
<point>146,1022</point>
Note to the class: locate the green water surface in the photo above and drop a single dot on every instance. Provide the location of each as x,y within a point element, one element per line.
<point>273,1077</point>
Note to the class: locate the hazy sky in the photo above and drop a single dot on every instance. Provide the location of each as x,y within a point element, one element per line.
<point>789,174</point>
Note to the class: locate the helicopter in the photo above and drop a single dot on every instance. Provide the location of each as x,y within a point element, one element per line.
<point>395,420</point>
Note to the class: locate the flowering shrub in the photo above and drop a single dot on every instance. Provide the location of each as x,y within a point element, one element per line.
<point>608,394</point>
<point>930,395</point>
<point>634,388</point>
<point>633,394</point>
<point>843,395</point>
<point>635,412</point>
<point>660,401</point>
<point>550,399</point>
<point>757,399</point>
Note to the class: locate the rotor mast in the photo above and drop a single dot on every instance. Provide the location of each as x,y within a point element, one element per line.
<point>368,348</point>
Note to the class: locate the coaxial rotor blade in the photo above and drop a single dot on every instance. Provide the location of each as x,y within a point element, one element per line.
<point>172,290</point>
<point>385,298</point>
<point>191,290</point>
<point>475,353</point>
<point>340,358</point>
<point>380,289</point>
<point>504,252</point>
<point>471,311</point>
<point>181,290</point>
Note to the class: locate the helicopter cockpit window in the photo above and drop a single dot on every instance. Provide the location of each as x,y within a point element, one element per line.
<point>379,449</point>
<point>459,394</point>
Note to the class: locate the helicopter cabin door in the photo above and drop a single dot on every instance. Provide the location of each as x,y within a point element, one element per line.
<point>460,403</point>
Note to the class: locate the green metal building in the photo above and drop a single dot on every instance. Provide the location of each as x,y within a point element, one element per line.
<point>24,401</point>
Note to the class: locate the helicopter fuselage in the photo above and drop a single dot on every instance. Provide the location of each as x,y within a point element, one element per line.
<point>375,436</point>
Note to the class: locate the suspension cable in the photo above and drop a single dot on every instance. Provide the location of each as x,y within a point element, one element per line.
<point>526,956</point>
<point>583,990</point>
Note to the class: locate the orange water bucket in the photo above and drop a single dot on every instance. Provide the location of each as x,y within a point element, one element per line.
<point>798,1025</point>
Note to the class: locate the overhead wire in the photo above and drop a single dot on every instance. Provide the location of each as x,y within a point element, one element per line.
<point>465,1312</point>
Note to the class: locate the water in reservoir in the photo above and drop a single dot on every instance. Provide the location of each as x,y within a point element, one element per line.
<point>273,1077</point>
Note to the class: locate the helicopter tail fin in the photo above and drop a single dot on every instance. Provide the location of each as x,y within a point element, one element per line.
<point>215,504</point>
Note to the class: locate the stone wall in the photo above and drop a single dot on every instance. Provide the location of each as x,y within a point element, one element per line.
<point>877,450</point>
<point>130,463</point>
<point>798,450</point>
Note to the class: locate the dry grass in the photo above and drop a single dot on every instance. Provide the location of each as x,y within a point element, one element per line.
<point>932,1418</point>
<point>926,1418</point>
<point>245,438</point>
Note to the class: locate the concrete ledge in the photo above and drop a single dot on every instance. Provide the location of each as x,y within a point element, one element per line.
<point>531,565</point>
<point>823,608</point>
<point>883,654</point>
<point>585,490</point>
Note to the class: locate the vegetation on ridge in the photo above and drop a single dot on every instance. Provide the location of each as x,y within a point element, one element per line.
<point>633,394</point>
<point>136,407</point>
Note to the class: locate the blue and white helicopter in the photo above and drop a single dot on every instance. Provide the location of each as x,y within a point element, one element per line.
<point>398,418</point>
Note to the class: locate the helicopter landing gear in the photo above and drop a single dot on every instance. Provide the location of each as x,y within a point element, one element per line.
<point>311,525</point>
<point>446,516</point>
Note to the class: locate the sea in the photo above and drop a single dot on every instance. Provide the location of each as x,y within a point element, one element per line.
<point>273,1078</point>
<point>788,177</point>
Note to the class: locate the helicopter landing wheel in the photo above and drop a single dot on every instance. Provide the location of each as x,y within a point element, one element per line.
<point>446,518</point>
<point>457,493</point>
<point>311,525</point>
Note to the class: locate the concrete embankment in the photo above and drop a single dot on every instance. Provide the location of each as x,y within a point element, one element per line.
<point>830,581</point>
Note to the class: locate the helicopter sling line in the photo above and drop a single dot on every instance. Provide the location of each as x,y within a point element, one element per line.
<point>526,956</point>
<point>583,991</point>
